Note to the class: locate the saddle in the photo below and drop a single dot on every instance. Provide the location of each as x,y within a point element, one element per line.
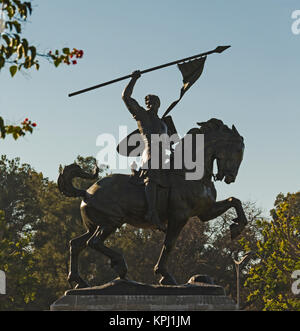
<point>139,176</point>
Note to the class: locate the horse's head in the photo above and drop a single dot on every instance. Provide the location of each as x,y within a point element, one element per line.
<point>227,146</point>
<point>229,157</point>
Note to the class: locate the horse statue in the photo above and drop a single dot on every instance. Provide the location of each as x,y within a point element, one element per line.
<point>116,200</point>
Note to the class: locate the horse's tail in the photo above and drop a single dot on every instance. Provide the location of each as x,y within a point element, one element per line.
<point>66,177</point>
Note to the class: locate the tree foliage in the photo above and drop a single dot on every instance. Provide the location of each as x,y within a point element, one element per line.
<point>278,256</point>
<point>17,53</point>
<point>36,225</point>
<point>18,215</point>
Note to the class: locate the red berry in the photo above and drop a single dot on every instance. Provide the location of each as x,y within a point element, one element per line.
<point>26,120</point>
<point>34,125</point>
<point>74,62</point>
<point>79,54</point>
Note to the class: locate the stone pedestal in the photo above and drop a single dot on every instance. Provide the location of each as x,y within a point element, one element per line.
<point>125,295</point>
<point>142,303</point>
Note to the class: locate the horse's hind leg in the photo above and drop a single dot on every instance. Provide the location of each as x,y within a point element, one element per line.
<point>97,242</point>
<point>173,231</point>
<point>76,246</point>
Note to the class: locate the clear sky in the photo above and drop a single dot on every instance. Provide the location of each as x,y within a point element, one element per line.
<point>253,85</point>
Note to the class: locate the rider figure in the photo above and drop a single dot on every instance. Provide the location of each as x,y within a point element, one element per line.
<point>148,123</point>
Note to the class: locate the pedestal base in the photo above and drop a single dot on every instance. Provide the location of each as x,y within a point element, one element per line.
<point>126,295</point>
<point>142,303</point>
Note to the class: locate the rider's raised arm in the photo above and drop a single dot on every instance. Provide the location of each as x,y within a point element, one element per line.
<point>131,103</point>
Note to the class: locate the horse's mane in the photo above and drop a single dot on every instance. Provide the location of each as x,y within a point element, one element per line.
<point>215,131</point>
<point>216,126</point>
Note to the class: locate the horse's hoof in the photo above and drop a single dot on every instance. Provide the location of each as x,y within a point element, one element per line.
<point>236,230</point>
<point>82,284</point>
<point>167,280</point>
<point>120,268</point>
<point>78,281</point>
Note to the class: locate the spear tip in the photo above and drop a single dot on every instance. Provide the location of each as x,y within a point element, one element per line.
<point>221,49</point>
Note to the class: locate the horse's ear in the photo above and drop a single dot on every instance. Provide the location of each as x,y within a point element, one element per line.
<point>235,131</point>
<point>201,123</point>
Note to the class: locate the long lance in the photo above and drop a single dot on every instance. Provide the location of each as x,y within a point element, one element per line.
<point>219,49</point>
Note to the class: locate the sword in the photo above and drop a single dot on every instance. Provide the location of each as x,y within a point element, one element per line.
<point>219,49</point>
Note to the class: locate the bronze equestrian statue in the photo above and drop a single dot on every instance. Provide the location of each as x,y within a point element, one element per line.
<point>117,199</point>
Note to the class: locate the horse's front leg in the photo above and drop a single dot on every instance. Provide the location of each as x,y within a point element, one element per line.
<point>241,220</point>
<point>220,207</point>
<point>160,268</point>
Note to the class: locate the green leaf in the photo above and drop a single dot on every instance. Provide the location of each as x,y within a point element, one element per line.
<point>17,37</point>
<point>2,128</point>
<point>33,52</point>
<point>20,51</point>
<point>9,129</point>
<point>11,11</point>
<point>28,128</point>
<point>28,63</point>
<point>17,26</point>
<point>6,38</point>
<point>57,62</point>
<point>2,62</point>
<point>66,51</point>
<point>15,135</point>
<point>8,25</point>
<point>25,45</point>
<point>13,70</point>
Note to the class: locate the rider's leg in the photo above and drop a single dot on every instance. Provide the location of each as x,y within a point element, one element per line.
<point>152,216</point>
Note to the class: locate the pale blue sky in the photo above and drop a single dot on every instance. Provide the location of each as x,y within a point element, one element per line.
<point>253,85</point>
